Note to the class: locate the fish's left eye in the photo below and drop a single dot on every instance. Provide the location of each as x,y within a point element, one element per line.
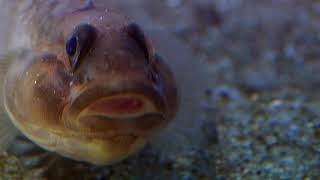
<point>79,43</point>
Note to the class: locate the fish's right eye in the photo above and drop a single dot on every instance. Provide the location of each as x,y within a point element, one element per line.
<point>79,43</point>
<point>135,32</point>
<point>71,46</point>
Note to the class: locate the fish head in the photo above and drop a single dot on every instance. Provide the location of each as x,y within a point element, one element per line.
<point>100,100</point>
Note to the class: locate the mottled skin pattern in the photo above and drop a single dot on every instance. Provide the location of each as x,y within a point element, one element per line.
<point>78,112</point>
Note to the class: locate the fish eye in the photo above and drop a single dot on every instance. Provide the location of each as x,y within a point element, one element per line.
<point>136,33</point>
<point>71,46</point>
<point>79,43</point>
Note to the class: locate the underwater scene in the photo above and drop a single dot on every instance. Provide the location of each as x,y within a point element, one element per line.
<point>159,90</point>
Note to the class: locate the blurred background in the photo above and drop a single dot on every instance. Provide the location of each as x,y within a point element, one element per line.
<point>263,59</point>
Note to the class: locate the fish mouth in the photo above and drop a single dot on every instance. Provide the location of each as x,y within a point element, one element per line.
<point>121,114</point>
<point>125,114</point>
<point>121,107</point>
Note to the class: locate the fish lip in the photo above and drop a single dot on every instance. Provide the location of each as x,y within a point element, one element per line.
<point>131,118</point>
<point>94,92</point>
<point>138,125</point>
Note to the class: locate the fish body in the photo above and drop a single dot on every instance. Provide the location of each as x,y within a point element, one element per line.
<point>94,85</point>
<point>89,84</point>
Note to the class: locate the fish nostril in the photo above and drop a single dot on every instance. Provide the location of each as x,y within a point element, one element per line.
<point>153,74</point>
<point>154,77</point>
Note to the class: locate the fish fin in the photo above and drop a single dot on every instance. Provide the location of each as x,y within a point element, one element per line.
<point>31,155</point>
<point>89,4</point>
<point>193,79</point>
<point>5,61</point>
<point>8,132</point>
<point>8,56</point>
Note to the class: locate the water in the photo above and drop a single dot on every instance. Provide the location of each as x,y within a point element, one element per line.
<point>263,60</point>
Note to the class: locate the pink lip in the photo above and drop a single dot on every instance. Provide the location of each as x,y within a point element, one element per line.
<point>117,105</point>
<point>121,106</point>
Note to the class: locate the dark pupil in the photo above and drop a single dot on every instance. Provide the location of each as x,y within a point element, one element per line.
<point>71,46</point>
